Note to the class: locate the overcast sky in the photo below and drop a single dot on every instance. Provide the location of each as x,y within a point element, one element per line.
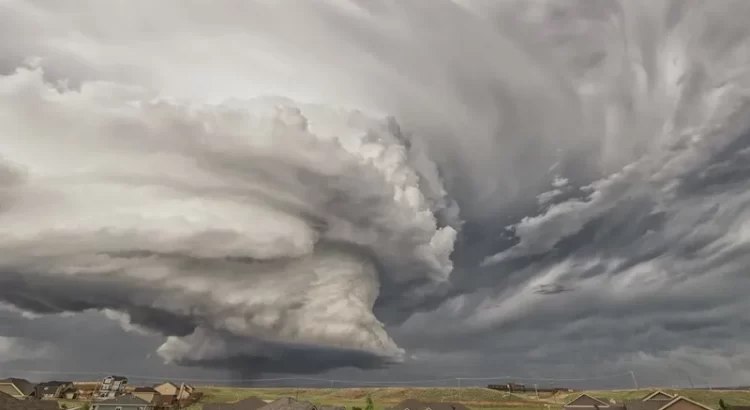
<point>376,190</point>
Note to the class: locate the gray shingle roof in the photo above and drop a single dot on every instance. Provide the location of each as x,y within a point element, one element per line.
<point>8,402</point>
<point>413,404</point>
<point>54,383</point>
<point>302,405</point>
<point>124,400</point>
<point>645,405</point>
<point>50,387</point>
<point>250,403</point>
<point>25,386</point>
<point>279,404</point>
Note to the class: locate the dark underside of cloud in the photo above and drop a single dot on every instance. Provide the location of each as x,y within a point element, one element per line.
<point>442,189</point>
<point>290,359</point>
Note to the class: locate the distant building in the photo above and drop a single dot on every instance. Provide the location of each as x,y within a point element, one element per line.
<point>17,388</point>
<point>516,388</point>
<point>111,387</point>
<point>126,402</point>
<point>53,390</point>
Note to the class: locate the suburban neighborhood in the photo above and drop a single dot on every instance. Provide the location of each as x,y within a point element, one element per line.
<point>114,392</point>
<point>110,393</point>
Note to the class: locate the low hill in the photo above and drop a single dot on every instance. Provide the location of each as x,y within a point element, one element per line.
<point>382,397</point>
<point>474,397</point>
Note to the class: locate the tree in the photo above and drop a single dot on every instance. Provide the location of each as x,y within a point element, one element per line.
<point>368,404</point>
<point>724,406</point>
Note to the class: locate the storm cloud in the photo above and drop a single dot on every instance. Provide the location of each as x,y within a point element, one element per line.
<point>554,189</point>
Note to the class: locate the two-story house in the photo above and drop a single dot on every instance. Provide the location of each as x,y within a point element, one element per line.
<point>111,387</point>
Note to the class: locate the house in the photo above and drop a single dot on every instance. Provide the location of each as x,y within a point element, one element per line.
<point>514,387</point>
<point>658,395</point>
<point>180,392</point>
<point>250,403</point>
<point>17,388</point>
<point>679,403</point>
<point>148,394</point>
<point>71,394</point>
<point>111,386</point>
<point>125,402</point>
<point>83,390</point>
<point>52,390</point>
<point>412,404</point>
<point>584,400</point>
<point>8,402</point>
<point>653,401</point>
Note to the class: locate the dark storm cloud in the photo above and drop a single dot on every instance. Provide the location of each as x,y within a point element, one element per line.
<point>598,186</point>
<point>288,359</point>
<point>44,295</point>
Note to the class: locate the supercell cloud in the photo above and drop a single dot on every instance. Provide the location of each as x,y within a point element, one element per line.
<point>263,220</point>
<point>418,187</point>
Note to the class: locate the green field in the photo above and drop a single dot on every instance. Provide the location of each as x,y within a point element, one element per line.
<point>382,397</point>
<point>474,397</point>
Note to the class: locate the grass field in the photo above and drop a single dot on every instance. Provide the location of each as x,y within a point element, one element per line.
<point>382,397</point>
<point>474,397</point>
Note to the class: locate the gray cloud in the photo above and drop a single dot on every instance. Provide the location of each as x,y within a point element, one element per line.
<point>552,188</point>
<point>329,208</point>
